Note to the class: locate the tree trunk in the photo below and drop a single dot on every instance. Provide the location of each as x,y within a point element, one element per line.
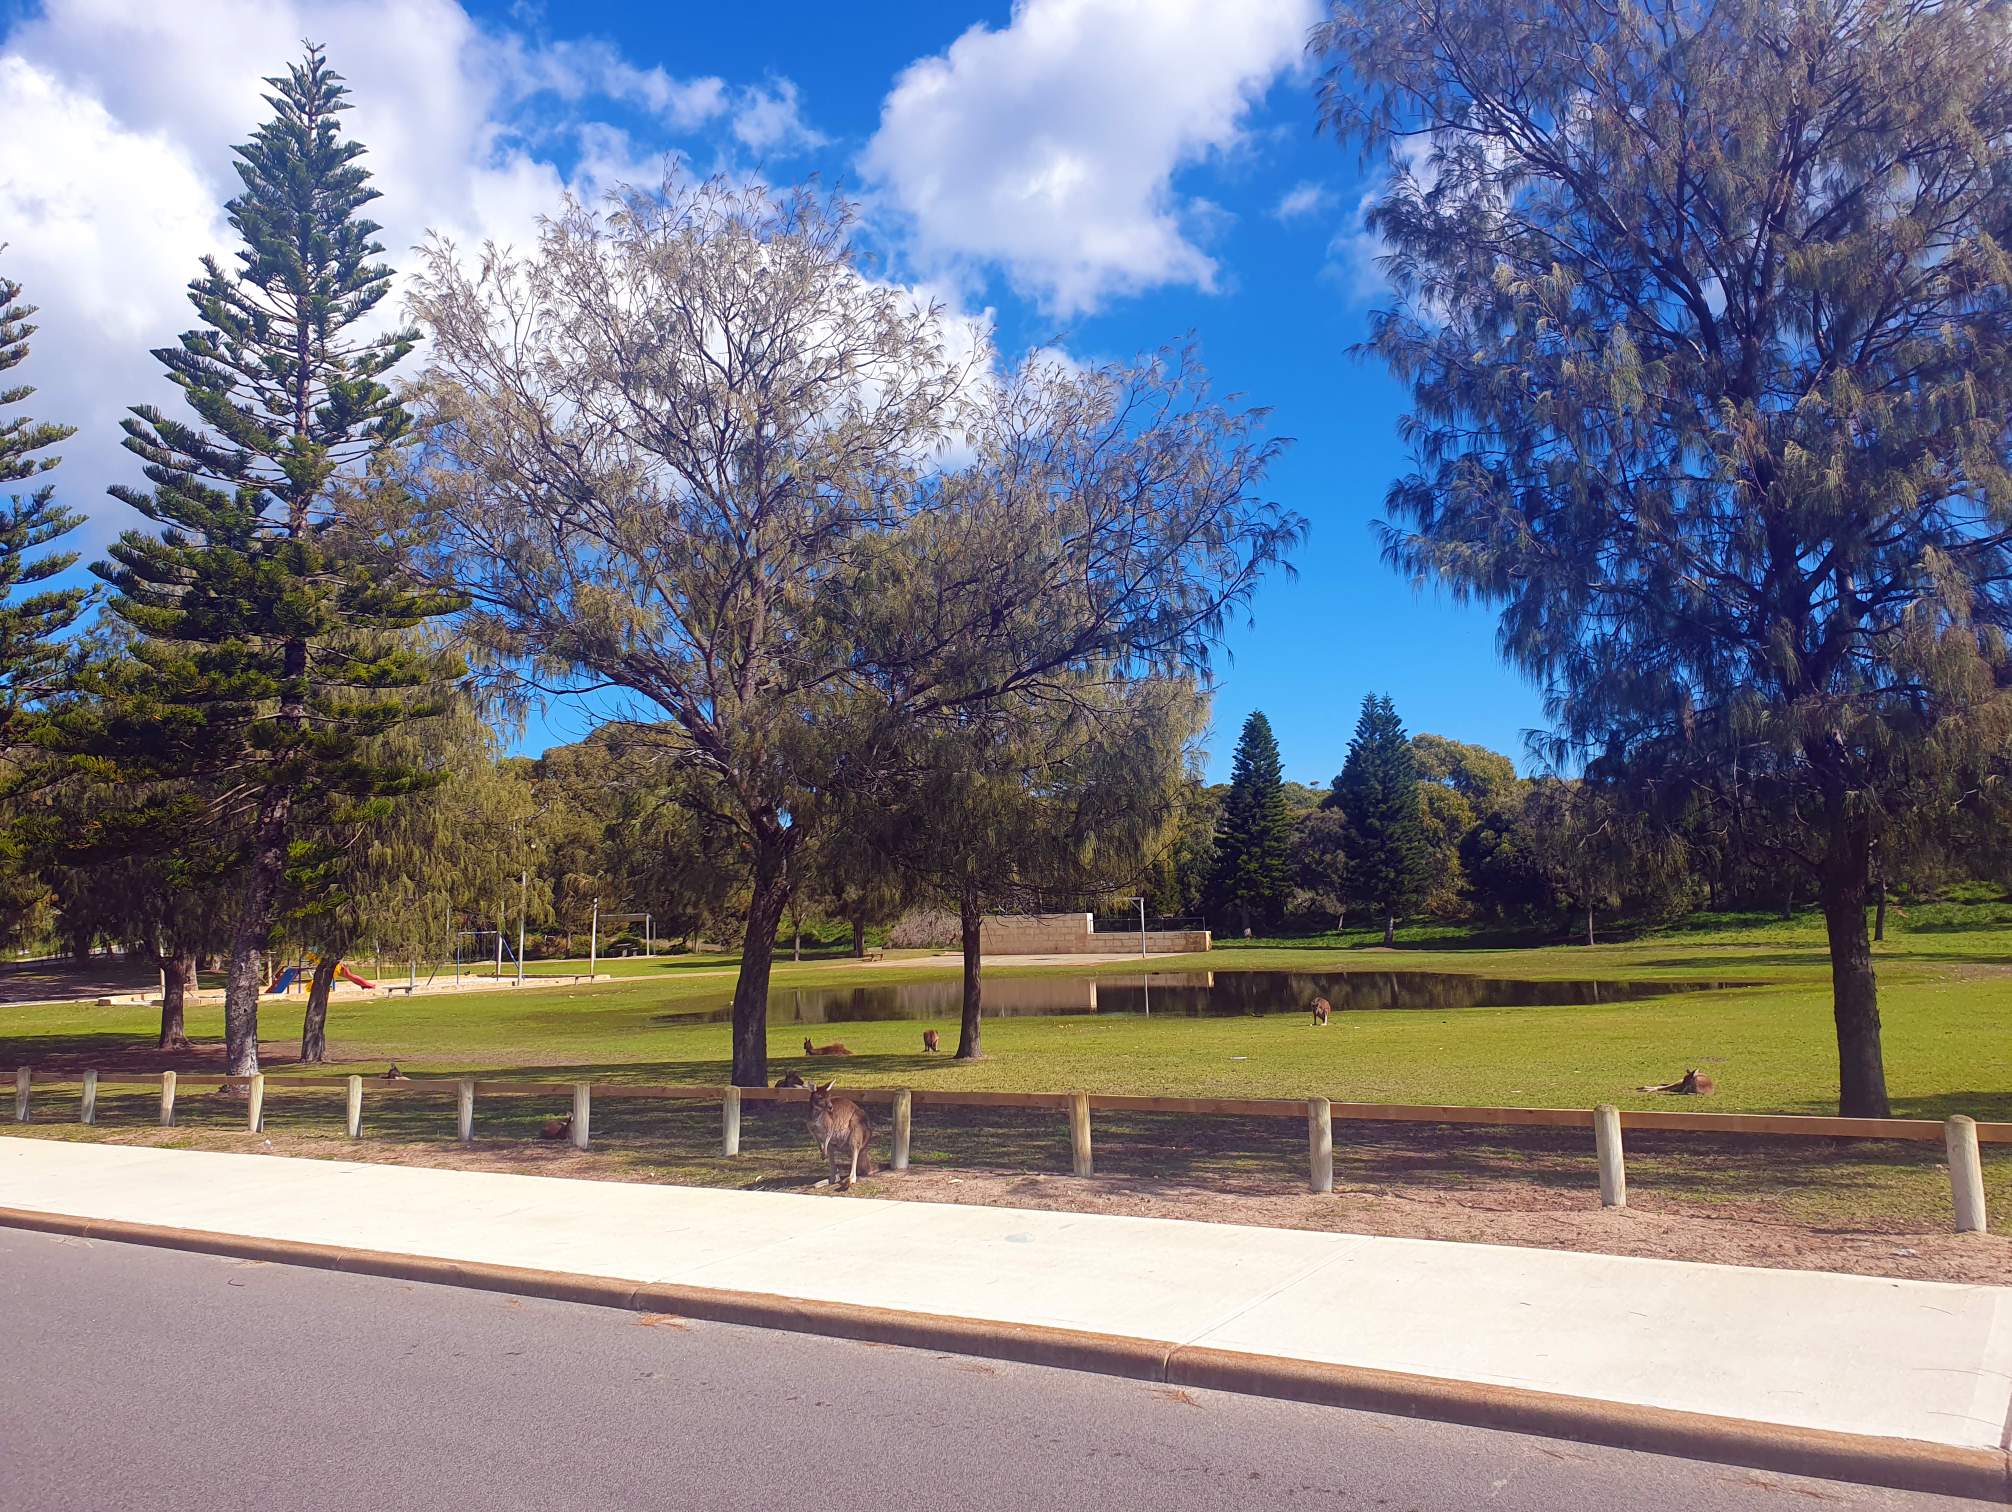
<point>178,975</point>
<point>796,947</point>
<point>314,1024</point>
<point>859,938</point>
<point>1390,929</point>
<point>968,922</point>
<point>1879,913</point>
<point>1589,923</point>
<point>767,902</point>
<point>1854,988</point>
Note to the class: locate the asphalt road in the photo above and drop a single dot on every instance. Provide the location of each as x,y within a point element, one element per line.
<point>143,1378</point>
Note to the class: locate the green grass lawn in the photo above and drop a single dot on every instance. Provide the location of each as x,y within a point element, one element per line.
<point>1946,975</point>
<point>1945,971</point>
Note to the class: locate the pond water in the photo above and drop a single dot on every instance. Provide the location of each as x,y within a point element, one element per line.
<point>1199,994</point>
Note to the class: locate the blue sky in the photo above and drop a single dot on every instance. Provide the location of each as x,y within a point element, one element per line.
<point>1107,175</point>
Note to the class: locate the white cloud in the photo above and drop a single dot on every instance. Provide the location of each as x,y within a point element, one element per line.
<point>1050,146</point>
<point>577,70</point>
<point>132,108</point>
<point>1302,200</point>
<point>767,118</point>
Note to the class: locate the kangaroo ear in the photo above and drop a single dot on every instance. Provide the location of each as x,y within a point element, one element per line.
<point>830,1084</point>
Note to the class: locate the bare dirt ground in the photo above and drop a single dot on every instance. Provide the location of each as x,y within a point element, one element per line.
<point>1504,1214</point>
<point>1806,1205</point>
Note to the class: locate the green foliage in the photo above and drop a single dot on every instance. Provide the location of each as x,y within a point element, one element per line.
<point>1389,853</point>
<point>31,658</point>
<point>273,657</point>
<point>1253,877</point>
<point>1707,322</point>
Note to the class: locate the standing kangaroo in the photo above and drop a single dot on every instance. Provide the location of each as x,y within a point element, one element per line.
<point>930,1043</point>
<point>1321,1009</point>
<point>843,1132</point>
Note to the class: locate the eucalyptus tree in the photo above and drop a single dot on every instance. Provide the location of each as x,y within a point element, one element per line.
<point>1707,322</point>
<point>687,449</point>
<point>396,877</point>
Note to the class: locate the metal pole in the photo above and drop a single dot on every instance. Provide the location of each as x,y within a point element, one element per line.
<point>1144,980</point>
<point>594,941</point>
<point>523,882</point>
<point>648,951</point>
<point>499,944</point>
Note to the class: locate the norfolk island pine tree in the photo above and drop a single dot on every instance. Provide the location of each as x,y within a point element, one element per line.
<point>1253,874</point>
<point>269,655</point>
<point>1377,793</point>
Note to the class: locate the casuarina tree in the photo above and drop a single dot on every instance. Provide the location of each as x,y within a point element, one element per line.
<point>1389,853</point>
<point>267,664</point>
<point>1253,876</point>
<point>1707,321</point>
<point>688,449</point>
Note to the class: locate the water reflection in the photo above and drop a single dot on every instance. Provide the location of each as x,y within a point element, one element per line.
<point>1198,994</point>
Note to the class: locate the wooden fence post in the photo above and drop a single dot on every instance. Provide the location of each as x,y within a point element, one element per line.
<point>1607,1146</point>
<point>255,1108</point>
<point>87,1110</point>
<point>583,1110</point>
<point>464,1111</point>
<point>904,1118</point>
<point>730,1121</point>
<point>23,1080</point>
<point>1966,1173</point>
<point>1079,1133</point>
<point>1320,1144</point>
<point>353,1112</point>
<point>167,1099</point>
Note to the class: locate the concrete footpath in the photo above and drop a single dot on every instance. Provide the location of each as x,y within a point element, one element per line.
<point>1887,1381</point>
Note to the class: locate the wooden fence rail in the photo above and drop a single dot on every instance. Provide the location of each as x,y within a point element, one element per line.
<point>1960,1135</point>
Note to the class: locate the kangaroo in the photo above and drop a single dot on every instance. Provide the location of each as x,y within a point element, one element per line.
<point>930,1043</point>
<point>1321,1009</point>
<point>392,1073</point>
<point>1692,1085</point>
<point>843,1133</point>
<point>791,1079</point>
<point>557,1128</point>
<point>832,1049</point>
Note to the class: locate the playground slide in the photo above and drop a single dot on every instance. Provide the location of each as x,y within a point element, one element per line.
<point>284,981</point>
<point>349,976</point>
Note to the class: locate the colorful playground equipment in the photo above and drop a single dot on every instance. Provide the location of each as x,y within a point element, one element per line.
<point>289,976</point>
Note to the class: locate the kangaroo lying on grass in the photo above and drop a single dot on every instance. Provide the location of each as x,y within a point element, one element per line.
<point>1693,1085</point>
<point>843,1133</point>
<point>831,1049</point>
<point>557,1128</point>
<point>791,1079</point>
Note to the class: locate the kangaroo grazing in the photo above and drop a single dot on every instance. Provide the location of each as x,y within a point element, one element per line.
<point>832,1049</point>
<point>791,1079</point>
<point>843,1133</point>
<point>1692,1085</point>
<point>557,1128</point>
<point>1321,1009</point>
<point>930,1043</point>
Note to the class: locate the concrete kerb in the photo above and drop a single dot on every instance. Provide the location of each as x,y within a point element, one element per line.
<point>1903,1464</point>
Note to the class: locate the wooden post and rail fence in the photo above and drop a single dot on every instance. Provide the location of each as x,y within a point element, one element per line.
<point>1960,1136</point>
